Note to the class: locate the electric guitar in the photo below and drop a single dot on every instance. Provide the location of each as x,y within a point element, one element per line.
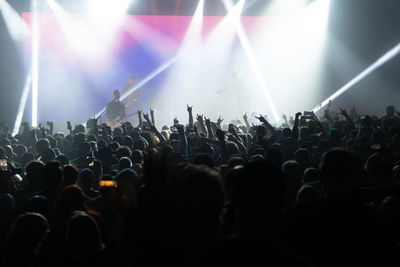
<point>117,122</point>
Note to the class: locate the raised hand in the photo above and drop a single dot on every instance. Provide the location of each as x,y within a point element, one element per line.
<point>219,120</point>
<point>207,121</point>
<point>151,111</point>
<point>245,116</point>
<point>139,112</point>
<point>189,108</point>
<point>146,117</point>
<point>298,114</point>
<point>284,117</point>
<point>261,118</point>
<point>200,118</point>
<point>343,112</point>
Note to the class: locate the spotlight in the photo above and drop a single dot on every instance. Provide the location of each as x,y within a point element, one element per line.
<point>381,61</point>
<point>22,105</point>
<point>253,63</point>
<point>35,63</point>
<point>15,24</point>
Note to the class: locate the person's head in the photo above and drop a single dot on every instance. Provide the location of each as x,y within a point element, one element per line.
<point>165,133</point>
<point>127,141</point>
<point>114,146</point>
<point>286,132</point>
<point>128,183</point>
<point>311,175</point>
<point>197,201</point>
<point>79,128</point>
<point>258,191</point>
<point>28,232</point>
<point>235,161</point>
<point>70,175</point>
<point>390,111</point>
<point>63,159</point>
<point>117,95</point>
<point>42,145</point>
<point>84,149</point>
<point>124,163</point>
<point>48,155</point>
<point>20,150</point>
<point>52,175</point>
<point>307,194</point>
<point>303,157</point>
<point>379,171</point>
<point>86,178</point>
<point>83,234</point>
<point>124,151</point>
<point>70,198</point>
<point>79,138</point>
<point>339,174</point>
<point>33,172</point>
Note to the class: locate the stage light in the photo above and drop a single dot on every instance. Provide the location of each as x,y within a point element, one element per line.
<point>18,29</point>
<point>288,45</point>
<point>106,13</point>
<point>253,63</point>
<point>193,30</point>
<point>22,104</point>
<point>15,24</point>
<point>219,34</point>
<point>35,62</point>
<point>193,36</point>
<point>381,61</point>
<point>90,38</point>
<point>198,76</point>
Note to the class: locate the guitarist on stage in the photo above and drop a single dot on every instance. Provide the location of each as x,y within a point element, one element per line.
<point>115,111</point>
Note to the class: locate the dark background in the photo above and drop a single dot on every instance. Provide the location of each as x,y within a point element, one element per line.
<point>360,31</point>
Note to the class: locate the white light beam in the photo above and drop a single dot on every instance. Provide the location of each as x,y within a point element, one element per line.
<point>381,61</point>
<point>253,62</point>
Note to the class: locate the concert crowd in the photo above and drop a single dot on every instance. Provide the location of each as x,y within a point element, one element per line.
<point>309,192</point>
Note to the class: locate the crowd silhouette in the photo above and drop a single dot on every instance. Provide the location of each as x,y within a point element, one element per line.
<point>309,192</point>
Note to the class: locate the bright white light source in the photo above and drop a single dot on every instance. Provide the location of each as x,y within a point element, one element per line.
<point>90,38</point>
<point>382,60</point>
<point>15,24</point>
<point>193,36</point>
<point>22,105</point>
<point>253,63</point>
<point>106,10</point>
<point>35,63</point>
